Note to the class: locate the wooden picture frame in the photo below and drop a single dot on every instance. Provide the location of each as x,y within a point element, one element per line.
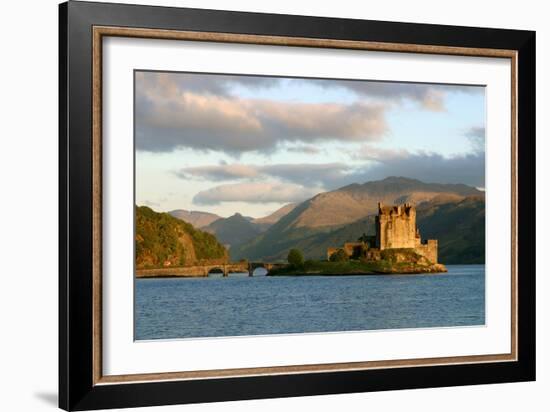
<point>82,385</point>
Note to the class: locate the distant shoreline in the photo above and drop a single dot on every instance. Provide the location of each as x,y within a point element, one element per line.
<point>357,267</point>
<point>169,273</point>
<point>166,276</point>
<point>310,268</point>
<point>310,274</point>
<point>358,274</point>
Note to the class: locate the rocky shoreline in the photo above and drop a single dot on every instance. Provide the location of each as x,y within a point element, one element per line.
<point>357,268</point>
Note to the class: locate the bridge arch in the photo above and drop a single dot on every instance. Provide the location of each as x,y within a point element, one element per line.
<point>258,271</point>
<point>252,266</point>
<point>216,270</point>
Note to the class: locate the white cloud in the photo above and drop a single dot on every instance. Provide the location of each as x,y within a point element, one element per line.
<point>255,192</point>
<point>309,174</point>
<point>305,149</point>
<point>371,152</point>
<point>151,203</point>
<point>163,83</point>
<point>220,172</point>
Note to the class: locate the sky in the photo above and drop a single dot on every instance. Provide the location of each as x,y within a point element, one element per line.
<point>230,144</point>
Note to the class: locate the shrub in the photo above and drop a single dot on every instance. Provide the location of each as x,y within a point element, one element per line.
<point>388,255</point>
<point>295,257</point>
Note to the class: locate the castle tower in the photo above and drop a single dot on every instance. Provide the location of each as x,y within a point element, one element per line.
<point>396,227</point>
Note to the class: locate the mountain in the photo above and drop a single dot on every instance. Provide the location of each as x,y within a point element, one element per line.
<point>330,218</point>
<point>197,219</point>
<point>459,227</point>
<point>234,230</point>
<point>353,202</point>
<point>163,240</point>
<point>313,243</point>
<point>265,222</point>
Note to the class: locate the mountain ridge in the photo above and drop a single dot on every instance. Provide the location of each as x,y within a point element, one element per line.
<point>353,202</point>
<point>233,230</point>
<point>195,217</point>
<point>330,218</point>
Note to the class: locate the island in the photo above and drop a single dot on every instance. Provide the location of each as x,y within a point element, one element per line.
<point>396,248</point>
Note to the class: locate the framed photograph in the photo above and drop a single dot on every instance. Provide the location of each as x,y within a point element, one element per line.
<point>256,205</point>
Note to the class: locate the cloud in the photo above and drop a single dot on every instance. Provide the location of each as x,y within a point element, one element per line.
<point>163,83</point>
<point>236,125</point>
<point>254,192</point>
<point>308,174</point>
<point>476,136</point>
<point>320,174</point>
<point>151,203</point>
<point>371,152</point>
<point>429,167</point>
<point>305,149</point>
<point>429,96</point>
<point>204,112</point>
<point>303,181</point>
<point>378,163</point>
<point>219,172</point>
<point>299,182</point>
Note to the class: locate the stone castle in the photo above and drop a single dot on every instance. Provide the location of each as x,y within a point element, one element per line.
<point>395,229</point>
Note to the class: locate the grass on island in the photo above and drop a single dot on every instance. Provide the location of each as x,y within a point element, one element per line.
<point>351,267</point>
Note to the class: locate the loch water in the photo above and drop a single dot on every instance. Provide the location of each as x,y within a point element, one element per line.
<point>239,305</point>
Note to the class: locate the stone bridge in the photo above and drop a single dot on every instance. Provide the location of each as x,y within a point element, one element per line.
<point>204,269</point>
<point>252,266</point>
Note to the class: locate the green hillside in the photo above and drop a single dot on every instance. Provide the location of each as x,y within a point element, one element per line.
<point>313,242</point>
<point>233,231</point>
<point>459,228</point>
<point>162,240</point>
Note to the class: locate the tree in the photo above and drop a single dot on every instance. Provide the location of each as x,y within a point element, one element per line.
<point>339,256</point>
<point>295,257</point>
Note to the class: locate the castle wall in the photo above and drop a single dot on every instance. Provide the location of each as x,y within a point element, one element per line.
<point>352,249</point>
<point>428,250</point>
<point>355,249</point>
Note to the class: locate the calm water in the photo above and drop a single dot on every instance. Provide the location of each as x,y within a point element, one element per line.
<point>239,305</point>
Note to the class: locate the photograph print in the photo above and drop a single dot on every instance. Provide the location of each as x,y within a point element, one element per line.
<point>279,205</point>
